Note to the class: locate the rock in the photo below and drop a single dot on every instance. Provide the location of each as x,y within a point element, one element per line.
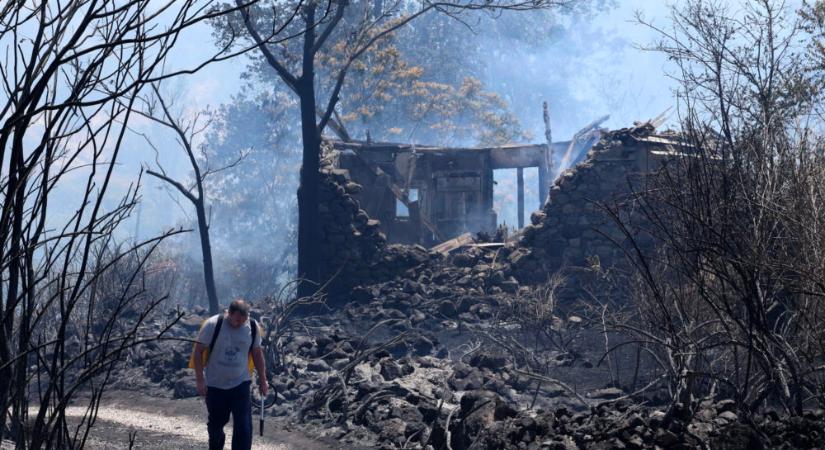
<point>390,370</point>
<point>323,342</point>
<point>741,436</point>
<point>634,442</point>
<point>398,350</point>
<point>464,260</point>
<point>394,431</point>
<point>318,365</point>
<point>607,393</point>
<point>185,387</point>
<point>191,323</point>
<point>482,311</point>
<point>725,405</point>
<point>365,388</point>
<point>352,187</point>
<point>422,346</point>
<point>510,285</point>
<point>517,255</point>
<point>728,416</point>
<point>447,309</point>
<point>406,412</point>
<point>488,360</point>
<point>473,380</point>
<point>656,418</point>
<point>503,411</point>
<point>477,412</point>
<point>681,412</point>
<point>665,438</point>
<point>473,400</point>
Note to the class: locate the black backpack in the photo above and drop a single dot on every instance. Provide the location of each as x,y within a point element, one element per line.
<point>205,358</point>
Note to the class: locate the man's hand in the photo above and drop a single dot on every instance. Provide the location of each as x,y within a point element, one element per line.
<point>264,386</point>
<point>201,386</point>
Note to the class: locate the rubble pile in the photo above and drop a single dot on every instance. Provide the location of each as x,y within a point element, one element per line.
<point>399,373</point>
<point>622,425</point>
<point>159,367</point>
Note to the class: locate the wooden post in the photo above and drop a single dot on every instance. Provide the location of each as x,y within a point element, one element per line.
<point>544,184</point>
<point>546,169</point>
<point>520,175</point>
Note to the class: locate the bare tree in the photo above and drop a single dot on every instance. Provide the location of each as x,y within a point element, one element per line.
<point>71,72</point>
<point>158,110</point>
<point>730,301</point>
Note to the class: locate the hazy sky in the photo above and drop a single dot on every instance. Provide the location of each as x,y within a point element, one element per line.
<point>619,78</point>
<point>602,68</point>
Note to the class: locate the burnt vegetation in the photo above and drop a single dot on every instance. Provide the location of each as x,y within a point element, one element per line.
<point>668,294</point>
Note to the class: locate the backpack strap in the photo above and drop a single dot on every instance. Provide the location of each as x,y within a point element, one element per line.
<point>254,326</point>
<point>215,334</point>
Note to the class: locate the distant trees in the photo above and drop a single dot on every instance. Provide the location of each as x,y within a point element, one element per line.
<point>72,300</point>
<point>733,302</point>
<point>253,222</point>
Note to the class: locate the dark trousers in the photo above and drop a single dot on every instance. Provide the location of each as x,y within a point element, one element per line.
<point>220,403</point>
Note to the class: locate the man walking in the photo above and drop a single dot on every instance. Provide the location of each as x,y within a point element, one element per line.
<point>225,344</point>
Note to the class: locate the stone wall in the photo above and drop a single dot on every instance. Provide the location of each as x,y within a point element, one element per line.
<point>354,250</point>
<point>573,230</point>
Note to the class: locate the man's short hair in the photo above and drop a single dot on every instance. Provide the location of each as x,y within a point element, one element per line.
<point>239,305</point>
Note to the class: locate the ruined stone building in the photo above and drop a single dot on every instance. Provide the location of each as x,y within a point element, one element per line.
<point>426,195</point>
<point>449,191</point>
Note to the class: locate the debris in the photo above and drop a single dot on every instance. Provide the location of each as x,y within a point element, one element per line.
<point>458,242</point>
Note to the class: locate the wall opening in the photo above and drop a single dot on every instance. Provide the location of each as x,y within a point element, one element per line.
<point>505,195</point>
<point>401,209</point>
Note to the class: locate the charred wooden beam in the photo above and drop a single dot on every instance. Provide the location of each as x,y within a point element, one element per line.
<point>520,188</point>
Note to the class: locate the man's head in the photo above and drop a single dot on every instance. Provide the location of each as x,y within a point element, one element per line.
<point>238,312</point>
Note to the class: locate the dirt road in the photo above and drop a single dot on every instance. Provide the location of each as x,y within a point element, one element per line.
<point>159,423</point>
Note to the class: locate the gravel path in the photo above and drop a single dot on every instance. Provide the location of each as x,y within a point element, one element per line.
<point>159,423</point>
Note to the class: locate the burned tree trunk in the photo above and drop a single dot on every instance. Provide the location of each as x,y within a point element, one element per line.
<point>206,250</point>
<point>309,226</point>
<point>185,133</point>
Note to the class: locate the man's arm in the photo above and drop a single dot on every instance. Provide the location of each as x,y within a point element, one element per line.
<point>260,367</point>
<point>201,383</point>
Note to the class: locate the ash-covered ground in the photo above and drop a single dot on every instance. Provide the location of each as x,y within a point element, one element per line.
<point>453,353</point>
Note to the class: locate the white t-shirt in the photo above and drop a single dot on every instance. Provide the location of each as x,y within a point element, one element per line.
<point>227,366</point>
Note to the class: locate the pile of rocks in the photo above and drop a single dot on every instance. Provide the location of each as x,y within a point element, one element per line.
<point>410,357</point>
<point>621,425</point>
<point>426,390</point>
<point>396,386</point>
<point>392,368</point>
<point>159,367</point>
